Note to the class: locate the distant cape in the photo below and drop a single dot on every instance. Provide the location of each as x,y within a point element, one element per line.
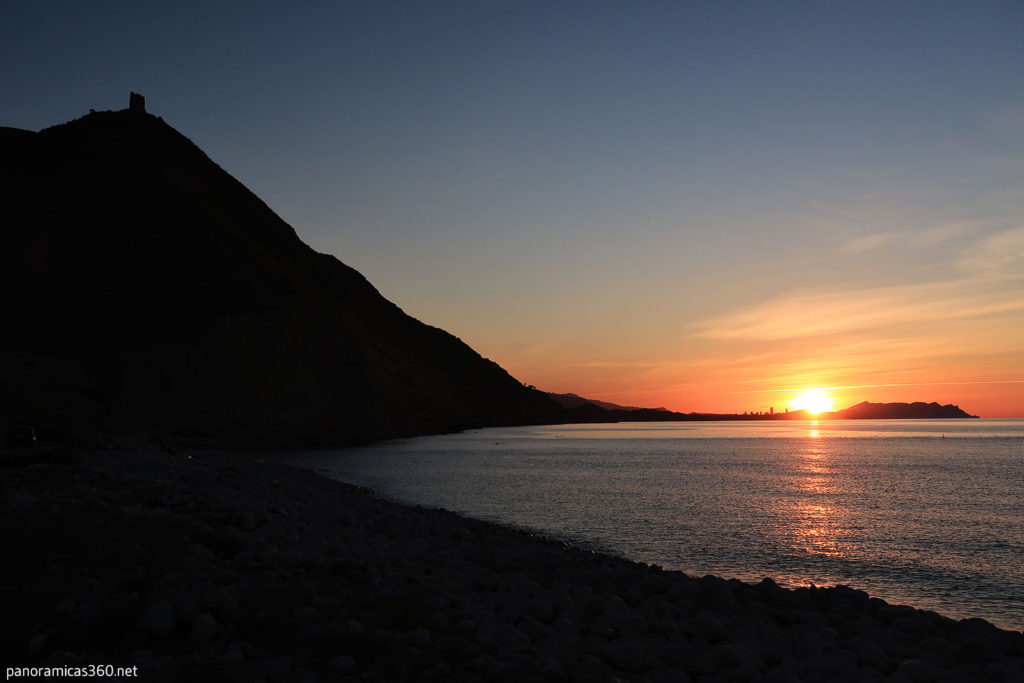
<point>898,411</point>
<point>147,290</point>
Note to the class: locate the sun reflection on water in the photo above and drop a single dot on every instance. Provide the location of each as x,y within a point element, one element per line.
<point>815,529</point>
<point>814,520</point>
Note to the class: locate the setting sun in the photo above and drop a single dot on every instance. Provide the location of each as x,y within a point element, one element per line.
<point>814,401</point>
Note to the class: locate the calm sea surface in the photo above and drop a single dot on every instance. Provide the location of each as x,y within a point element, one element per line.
<point>923,512</point>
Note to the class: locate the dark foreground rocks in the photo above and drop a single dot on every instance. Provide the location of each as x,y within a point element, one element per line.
<point>212,567</point>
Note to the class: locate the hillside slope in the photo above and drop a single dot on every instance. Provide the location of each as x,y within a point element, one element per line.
<point>150,291</point>
<point>575,400</point>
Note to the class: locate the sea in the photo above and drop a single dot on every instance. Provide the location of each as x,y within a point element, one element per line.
<point>928,513</point>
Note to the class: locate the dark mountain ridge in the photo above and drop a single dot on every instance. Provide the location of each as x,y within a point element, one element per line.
<point>153,292</point>
<point>575,400</point>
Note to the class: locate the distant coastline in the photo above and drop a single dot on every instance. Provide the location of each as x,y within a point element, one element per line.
<point>600,411</point>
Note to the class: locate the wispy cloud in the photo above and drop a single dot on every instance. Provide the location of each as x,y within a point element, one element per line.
<point>1000,253</point>
<point>631,364</point>
<point>909,238</point>
<point>875,386</point>
<point>866,243</point>
<point>827,313</point>
<point>938,234</point>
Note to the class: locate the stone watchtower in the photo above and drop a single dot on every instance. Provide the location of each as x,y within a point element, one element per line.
<point>136,103</point>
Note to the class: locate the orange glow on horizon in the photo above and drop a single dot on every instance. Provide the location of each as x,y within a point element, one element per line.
<point>772,380</point>
<point>814,401</point>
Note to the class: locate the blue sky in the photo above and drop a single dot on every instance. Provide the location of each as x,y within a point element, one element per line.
<point>608,197</point>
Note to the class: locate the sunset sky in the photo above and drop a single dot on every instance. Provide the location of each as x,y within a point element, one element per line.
<point>706,206</point>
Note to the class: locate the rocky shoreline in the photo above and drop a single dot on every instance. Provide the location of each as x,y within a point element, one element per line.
<point>200,565</point>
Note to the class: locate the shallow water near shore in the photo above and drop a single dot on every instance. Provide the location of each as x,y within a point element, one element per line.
<point>923,512</point>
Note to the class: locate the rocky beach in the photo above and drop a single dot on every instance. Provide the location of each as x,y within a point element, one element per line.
<point>194,564</point>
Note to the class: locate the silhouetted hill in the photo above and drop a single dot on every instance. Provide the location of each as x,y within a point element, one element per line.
<point>897,411</point>
<point>148,290</point>
<point>575,400</point>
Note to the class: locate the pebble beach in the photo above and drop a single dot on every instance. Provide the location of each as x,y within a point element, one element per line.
<point>190,564</point>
